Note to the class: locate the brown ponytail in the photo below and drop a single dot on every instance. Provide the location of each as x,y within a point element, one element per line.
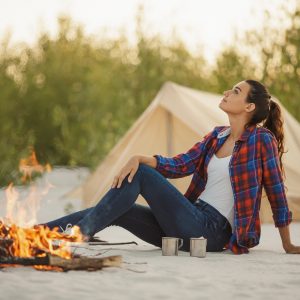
<point>274,123</point>
<point>268,112</point>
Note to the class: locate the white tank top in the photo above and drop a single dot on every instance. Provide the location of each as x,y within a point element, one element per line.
<point>218,191</point>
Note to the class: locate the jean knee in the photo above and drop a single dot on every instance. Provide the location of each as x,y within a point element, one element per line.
<point>143,168</point>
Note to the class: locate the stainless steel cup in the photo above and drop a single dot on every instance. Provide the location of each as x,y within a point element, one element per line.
<point>198,247</point>
<point>170,245</point>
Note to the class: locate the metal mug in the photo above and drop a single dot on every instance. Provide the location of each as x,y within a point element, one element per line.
<point>198,247</point>
<point>170,245</point>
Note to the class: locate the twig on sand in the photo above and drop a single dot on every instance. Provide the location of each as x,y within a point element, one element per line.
<point>135,263</point>
<point>132,270</point>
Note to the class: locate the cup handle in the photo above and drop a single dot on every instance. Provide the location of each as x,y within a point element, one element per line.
<point>180,243</point>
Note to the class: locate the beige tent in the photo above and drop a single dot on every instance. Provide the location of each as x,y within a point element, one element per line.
<point>177,118</point>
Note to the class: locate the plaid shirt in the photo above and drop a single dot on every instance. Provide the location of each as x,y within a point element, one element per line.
<point>254,164</point>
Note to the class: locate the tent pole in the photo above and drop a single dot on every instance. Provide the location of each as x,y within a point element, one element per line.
<point>170,142</point>
<point>169,134</point>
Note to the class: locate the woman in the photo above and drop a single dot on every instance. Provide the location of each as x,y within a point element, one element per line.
<point>229,166</point>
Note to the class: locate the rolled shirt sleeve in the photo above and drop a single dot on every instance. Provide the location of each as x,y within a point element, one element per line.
<point>182,164</point>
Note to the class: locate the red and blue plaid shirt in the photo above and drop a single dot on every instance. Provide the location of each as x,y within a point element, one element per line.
<point>254,164</point>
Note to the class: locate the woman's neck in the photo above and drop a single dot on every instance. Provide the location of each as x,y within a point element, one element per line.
<point>237,127</point>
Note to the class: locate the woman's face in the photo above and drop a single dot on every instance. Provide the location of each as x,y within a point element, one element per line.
<point>234,100</point>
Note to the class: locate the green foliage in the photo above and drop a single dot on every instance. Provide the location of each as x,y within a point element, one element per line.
<point>285,80</point>
<point>278,50</point>
<point>72,97</point>
<point>231,68</point>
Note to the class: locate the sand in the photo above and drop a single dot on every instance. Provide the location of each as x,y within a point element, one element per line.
<point>267,271</point>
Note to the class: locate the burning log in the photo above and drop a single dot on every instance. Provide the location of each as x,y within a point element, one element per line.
<point>6,242</point>
<point>22,244</point>
<point>75,263</point>
<point>34,247</point>
<point>83,263</point>
<point>4,245</point>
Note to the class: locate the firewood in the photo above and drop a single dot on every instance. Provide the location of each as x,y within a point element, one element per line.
<point>25,261</point>
<point>82,262</point>
<point>4,242</point>
<point>75,263</point>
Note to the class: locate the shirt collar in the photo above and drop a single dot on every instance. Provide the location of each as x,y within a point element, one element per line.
<point>224,133</point>
<point>242,138</point>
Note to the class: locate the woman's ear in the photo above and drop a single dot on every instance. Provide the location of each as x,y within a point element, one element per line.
<point>250,107</point>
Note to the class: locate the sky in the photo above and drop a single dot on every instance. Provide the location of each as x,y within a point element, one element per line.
<point>206,24</point>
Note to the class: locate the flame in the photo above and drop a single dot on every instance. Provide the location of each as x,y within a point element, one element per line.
<point>37,240</point>
<point>48,268</point>
<point>29,165</point>
<point>24,213</point>
<point>11,198</point>
<point>17,227</point>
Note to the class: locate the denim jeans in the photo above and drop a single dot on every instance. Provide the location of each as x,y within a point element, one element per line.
<point>169,213</point>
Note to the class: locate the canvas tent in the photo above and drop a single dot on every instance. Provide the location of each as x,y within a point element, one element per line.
<point>177,118</point>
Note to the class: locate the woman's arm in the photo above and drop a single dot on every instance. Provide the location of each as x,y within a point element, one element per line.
<point>182,164</point>
<point>286,241</point>
<point>274,187</point>
<point>147,160</point>
<point>272,181</point>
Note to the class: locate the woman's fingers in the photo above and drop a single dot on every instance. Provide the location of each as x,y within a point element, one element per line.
<point>130,176</point>
<point>120,180</point>
<point>293,249</point>
<point>130,168</point>
<point>114,182</point>
<point>132,173</point>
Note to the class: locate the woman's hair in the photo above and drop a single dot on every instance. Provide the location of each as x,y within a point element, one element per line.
<point>268,112</point>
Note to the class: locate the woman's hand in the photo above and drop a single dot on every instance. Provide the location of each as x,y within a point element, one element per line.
<point>130,168</point>
<point>286,240</point>
<point>292,249</point>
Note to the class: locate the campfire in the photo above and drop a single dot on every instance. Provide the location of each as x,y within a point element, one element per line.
<point>22,243</point>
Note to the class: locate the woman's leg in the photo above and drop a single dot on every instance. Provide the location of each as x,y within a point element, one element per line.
<point>139,220</point>
<point>170,213</point>
<point>174,213</point>
<point>72,219</point>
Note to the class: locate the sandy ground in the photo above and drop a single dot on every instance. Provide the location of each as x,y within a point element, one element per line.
<point>145,274</point>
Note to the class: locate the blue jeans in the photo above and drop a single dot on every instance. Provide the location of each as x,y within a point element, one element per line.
<point>169,213</point>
